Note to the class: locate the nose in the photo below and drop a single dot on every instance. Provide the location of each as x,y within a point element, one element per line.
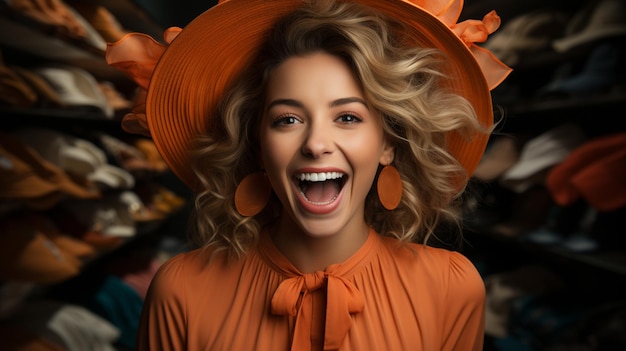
<point>318,140</point>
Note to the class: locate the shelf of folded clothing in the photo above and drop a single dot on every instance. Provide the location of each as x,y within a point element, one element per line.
<point>15,116</point>
<point>613,261</point>
<point>527,115</point>
<point>601,260</point>
<point>25,43</point>
<point>576,105</point>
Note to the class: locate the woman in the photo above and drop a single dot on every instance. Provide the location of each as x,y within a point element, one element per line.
<point>326,141</point>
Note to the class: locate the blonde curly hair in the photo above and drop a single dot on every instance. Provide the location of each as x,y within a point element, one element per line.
<point>399,81</point>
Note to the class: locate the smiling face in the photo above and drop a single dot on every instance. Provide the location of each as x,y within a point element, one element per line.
<point>321,145</point>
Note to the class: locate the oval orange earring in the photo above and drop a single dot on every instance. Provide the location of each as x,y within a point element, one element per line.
<point>252,194</point>
<point>389,187</point>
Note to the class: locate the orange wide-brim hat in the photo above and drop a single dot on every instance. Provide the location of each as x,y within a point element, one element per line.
<point>186,79</point>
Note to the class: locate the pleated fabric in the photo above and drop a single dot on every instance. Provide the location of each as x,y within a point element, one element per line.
<point>387,296</point>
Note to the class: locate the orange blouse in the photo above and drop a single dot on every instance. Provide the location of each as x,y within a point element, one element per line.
<point>385,297</point>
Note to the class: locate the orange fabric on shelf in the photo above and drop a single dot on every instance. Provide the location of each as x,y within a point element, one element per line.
<point>384,297</point>
<point>594,171</point>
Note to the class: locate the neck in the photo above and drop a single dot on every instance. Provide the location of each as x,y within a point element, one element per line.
<point>309,252</point>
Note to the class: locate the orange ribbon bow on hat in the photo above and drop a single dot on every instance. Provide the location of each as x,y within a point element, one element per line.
<point>137,54</point>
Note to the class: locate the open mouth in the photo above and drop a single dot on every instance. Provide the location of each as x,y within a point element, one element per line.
<point>320,188</point>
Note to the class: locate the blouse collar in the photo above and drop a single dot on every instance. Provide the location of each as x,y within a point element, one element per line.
<point>293,295</point>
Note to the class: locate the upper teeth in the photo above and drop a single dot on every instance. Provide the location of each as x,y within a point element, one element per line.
<point>319,177</point>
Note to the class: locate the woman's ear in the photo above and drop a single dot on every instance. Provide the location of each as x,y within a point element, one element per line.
<point>388,154</point>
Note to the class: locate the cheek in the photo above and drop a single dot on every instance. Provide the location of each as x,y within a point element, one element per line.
<point>366,148</point>
<point>275,162</point>
<point>275,155</point>
<point>364,154</point>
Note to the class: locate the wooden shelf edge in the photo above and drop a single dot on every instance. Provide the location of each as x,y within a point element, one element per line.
<point>605,259</point>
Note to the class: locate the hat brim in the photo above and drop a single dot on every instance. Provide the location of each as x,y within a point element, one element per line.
<point>203,61</point>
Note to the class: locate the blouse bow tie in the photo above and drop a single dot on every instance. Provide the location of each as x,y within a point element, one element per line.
<point>342,300</point>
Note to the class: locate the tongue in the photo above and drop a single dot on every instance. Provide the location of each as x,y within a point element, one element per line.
<point>321,191</point>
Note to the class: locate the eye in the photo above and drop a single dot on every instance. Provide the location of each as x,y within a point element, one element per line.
<point>349,118</point>
<point>285,120</point>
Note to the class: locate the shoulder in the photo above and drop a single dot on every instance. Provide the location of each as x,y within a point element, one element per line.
<point>186,261</point>
<point>449,269</point>
<point>458,275</point>
<point>456,262</point>
<point>180,271</point>
<point>414,253</point>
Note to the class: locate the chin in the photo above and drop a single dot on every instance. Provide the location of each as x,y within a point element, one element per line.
<point>322,226</point>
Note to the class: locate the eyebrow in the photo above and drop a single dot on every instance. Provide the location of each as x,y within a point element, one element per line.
<point>334,103</point>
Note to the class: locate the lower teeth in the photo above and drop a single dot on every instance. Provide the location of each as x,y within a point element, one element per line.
<point>318,203</point>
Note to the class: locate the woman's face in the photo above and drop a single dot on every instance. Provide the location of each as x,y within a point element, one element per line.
<point>321,144</point>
